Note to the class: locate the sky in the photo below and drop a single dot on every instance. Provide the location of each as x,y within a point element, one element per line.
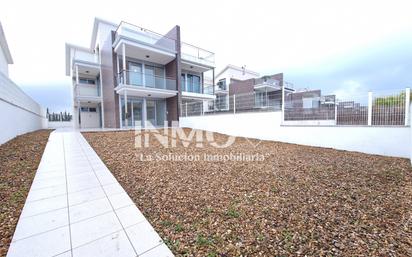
<point>342,47</point>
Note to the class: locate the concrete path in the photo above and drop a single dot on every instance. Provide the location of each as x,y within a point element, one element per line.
<point>76,207</point>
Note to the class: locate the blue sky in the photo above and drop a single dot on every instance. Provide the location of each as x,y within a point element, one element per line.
<point>342,47</point>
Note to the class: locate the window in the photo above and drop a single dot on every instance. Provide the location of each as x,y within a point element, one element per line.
<point>192,83</point>
<point>88,109</point>
<point>222,84</point>
<point>154,76</point>
<point>87,81</point>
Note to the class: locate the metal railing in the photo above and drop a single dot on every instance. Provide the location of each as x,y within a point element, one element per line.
<point>380,108</point>
<point>145,36</point>
<point>248,102</point>
<point>140,79</point>
<point>197,54</point>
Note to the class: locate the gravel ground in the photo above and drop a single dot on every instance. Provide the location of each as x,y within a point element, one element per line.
<point>19,159</point>
<point>299,201</point>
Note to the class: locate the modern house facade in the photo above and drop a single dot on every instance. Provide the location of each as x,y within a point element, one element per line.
<point>247,91</point>
<point>131,76</point>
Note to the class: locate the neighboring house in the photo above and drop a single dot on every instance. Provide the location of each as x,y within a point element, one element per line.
<point>258,93</point>
<point>131,76</point>
<point>223,81</point>
<point>5,55</point>
<point>309,105</point>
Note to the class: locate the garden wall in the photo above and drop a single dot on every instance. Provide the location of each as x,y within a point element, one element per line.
<point>19,113</point>
<point>382,140</point>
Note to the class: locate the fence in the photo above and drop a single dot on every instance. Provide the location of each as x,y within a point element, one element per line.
<point>381,108</point>
<point>225,103</point>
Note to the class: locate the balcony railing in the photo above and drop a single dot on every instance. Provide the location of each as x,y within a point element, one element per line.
<point>139,79</point>
<point>267,81</point>
<point>85,90</point>
<point>145,36</point>
<point>207,88</point>
<point>84,56</point>
<point>197,55</point>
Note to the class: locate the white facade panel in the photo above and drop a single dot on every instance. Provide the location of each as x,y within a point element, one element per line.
<point>385,140</point>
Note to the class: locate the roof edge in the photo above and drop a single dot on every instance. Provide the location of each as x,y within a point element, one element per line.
<point>5,46</point>
<point>236,68</point>
<point>96,27</point>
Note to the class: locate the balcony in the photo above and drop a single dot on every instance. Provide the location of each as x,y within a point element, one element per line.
<point>208,89</point>
<point>139,79</point>
<point>143,44</point>
<point>84,57</point>
<point>87,93</point>
<point>141,84</point>
<point>84,90</point>
<point>196,59</point>
<point>196,92</point>
<point>267,84</point>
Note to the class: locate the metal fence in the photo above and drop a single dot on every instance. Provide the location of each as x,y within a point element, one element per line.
<point>380,108</point>
<point>225,103</point>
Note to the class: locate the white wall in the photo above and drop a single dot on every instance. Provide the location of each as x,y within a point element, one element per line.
<point>15,121</point>
<point>389,141</point>
<point>19,113</point>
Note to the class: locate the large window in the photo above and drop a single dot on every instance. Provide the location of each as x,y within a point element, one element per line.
<point>135,74</point>
<point>147,75</point>
<point>154,76</point>
<point>192,83</point>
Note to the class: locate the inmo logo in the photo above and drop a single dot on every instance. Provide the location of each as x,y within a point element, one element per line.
<point>174,136</point>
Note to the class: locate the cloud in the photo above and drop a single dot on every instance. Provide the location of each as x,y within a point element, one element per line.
<point>351,89</point>
<point>56,97</point>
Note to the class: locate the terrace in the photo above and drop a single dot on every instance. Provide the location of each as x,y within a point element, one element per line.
<point>298,200</point>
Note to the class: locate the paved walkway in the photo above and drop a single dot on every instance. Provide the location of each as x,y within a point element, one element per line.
<point>76,207</point>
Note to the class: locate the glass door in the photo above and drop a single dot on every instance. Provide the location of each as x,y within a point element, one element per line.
<point>149,74</point>
<point>150,113</point>
<point>126,116</point>
<point>137,112</point>
<point>135,74</point>
<point>160,112</point>
<point>160,77</point>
